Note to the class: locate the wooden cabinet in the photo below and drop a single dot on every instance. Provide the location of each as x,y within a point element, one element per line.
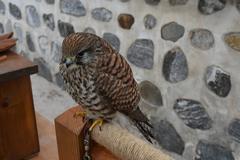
<point>18,131</point>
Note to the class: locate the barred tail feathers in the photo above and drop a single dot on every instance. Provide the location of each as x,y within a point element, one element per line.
<point>142,123</point>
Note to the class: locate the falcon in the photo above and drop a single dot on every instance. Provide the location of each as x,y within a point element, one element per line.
<point>101,81</point>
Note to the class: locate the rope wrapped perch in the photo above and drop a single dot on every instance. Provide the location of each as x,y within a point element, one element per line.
<point>125,145</point>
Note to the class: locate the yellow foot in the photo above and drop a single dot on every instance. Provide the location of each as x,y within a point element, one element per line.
<point>95,123</point>
<point>80,114</point>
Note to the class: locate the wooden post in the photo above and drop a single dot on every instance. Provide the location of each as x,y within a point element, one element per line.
<point>70,137</point>
<point>18,131</point>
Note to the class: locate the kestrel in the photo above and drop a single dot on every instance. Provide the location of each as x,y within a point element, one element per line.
<point>101,81</point>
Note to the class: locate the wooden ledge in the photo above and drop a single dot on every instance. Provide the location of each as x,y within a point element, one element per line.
<point>15,66</point>
<point>70,137</point>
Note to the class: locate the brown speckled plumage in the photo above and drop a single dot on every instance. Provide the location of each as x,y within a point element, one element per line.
<point>100,79</point>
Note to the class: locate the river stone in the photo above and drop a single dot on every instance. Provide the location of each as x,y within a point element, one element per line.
<point>178,2</point>
<point>172,31</point>
<point>49,21</point>
<point>238,5</point>
<point>210,6</point>
<point>65,28</point>
<point>15,11</point>
<point>43,69</point>
<point>50,1</point>
<point>233,40</point>
<point>72,7</point>
<point>113,40</point>
<point>43,44</point>
<point>30,42</point>
<point>141,53</point>
<point>152,2</point>
<point>56,52</point>
<point>124,0</point>
<point>1,28</point>
<point>234,130</point>
<point>193,114</point>
<point>2,7</point>
<point>150,21</point>
<point>33,19</point>
<point>8,26</point>
<point>102,14</point>
<point>201,38</point>
<point>211,151</point>
<point>175,67</point>
<point>89,30</point>
<point>59,80</point>
<point>125,20</point>
<point>150,93</point>
<point>167,137</point>
<point>218,80</point>
<point>18,32</point>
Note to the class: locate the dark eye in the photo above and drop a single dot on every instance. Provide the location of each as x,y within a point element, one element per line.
<point>80,54</point>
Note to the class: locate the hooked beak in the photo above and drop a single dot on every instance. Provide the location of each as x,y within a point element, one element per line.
<point>68,62</point>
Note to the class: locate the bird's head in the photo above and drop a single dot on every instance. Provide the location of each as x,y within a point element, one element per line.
<point>81,49</point>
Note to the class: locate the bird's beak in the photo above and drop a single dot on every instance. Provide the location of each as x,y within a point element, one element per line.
<point>69,61</point>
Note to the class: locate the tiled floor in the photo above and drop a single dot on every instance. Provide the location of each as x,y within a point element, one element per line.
<point>47,139</point>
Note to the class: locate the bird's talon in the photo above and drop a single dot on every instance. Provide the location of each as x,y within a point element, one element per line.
<point>80,114</point>
<point>95,123</point>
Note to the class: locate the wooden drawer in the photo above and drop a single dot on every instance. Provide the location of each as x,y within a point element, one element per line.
<point>18,132</point>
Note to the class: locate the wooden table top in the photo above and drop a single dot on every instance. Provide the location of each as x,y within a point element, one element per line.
<point>15,65</point>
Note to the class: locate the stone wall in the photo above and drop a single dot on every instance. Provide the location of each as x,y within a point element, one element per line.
<point>185,55</point>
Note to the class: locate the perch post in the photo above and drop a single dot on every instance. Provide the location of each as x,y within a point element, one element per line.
<point>114,140</point>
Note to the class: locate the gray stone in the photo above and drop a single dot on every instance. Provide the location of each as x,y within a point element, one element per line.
<point>18,32</point>
<point>113,40</point>
<point>238,5</point>
<point>43,43</point>
<point>172,31</point>
<point>210,6</point>
<point>124,0</point>
<point>152,2</point>
<point>33,19</point>
<point>141,53</point>
<point>175,67</point>
<point>102,14</point>
<point>43,69</point>
<point>15,11</point>
<point>193,114</point>
<point>150,93</point>
<point>167,137</point>
<point>72,7</point>
<point>59,80</point>
<point>89,30</point>
<point>65,28</point>
<point>233,40</point>
<point>178,2</point>
<point>50,1</point>
<point>234,129</point>
<point>1,28</point>
<point>8,26</point>
<point>150,21</point>
<point>210,151</point>
<point>30,42</point>
<point>218,80</point>
<point>56,52</point>
<point>49,21</point>
<point>2,7</point>
<point>201,38</point>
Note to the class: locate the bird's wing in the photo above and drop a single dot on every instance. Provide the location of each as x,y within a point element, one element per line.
<point>115,83</point>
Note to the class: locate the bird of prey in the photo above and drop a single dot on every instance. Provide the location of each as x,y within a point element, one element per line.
<point>101,81</point>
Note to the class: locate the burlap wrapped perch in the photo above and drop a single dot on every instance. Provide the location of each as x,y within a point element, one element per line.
<point>125,145</point>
